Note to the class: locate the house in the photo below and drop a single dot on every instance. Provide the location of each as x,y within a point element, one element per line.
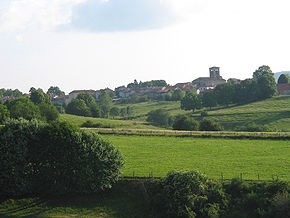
<point>212,81</point>
<point>283,89</point>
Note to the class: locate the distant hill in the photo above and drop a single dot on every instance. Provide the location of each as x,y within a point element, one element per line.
<point>278,74</point>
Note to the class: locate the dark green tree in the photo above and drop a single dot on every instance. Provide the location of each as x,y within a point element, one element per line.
<point>4,113</point>
<point>78,107</point>
<point>115,111</point>
<point>225,93</point>
<point>159,117</point>
<point>23,107</point>
<point>87,98</point>
<point>209,99</point>
<point>105,102</point>
<point>191,101</point>
<point>55,91</point>
<point>185,123</point>
<point>177,95</point>
<point>48,112</point>
<point>210,125</point>
<point>267,86</point>
<point>38,97</point>
<point>262,70</point>
<point>284,78</point>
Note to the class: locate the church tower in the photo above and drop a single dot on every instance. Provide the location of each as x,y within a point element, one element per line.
<point>214,73</point>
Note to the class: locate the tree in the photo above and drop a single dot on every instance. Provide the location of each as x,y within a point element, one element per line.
<point>186,123</point>
<point>55,91</point>
<point>105,103</point>
<point>225,93</point>
<point>209,99</point>
<point>284,78</point>
<point>114,111</point>
<point>267,87</point>
<point>48,112</point>
<point>177,95</point>
<point>159,117</point>
<point>191,101</point>
<point>4,113</point>
<point>38,97</point>
<point>210,125</point>
<point>262,70</point>
<point>87,98</point>
<point>78,107</point>
<point>23,107</point>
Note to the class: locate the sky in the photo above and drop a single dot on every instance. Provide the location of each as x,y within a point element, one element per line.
<point>94,44</point>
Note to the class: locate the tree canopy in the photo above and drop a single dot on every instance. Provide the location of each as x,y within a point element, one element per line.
<point>283,79</point>
<point>55,91</point>
<point>191,101</point>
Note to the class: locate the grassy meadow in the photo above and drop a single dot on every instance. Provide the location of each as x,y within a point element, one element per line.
<point>255,159</point>
<point>125,199</point>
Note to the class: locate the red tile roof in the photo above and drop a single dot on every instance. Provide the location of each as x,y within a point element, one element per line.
<point>283,87</point>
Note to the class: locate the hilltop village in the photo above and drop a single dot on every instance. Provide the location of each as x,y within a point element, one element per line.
<point>201,84</point>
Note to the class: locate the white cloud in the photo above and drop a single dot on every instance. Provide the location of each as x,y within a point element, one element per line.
<point>36,14</point>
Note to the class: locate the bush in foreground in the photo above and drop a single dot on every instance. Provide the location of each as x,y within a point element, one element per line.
<point>55,158</point>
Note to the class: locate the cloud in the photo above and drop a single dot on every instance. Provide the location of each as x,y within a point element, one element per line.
<point>121,15</point>
<point>36,14</point>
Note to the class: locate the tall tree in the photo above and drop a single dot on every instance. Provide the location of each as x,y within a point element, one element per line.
<point>38,97</point>
<point>209,99</point>
<point>284,78</point>
<point>105,103</point>
<point>267,87</point>
<point>55,91</point>
<point>191,101</point>
<point>262,70</point>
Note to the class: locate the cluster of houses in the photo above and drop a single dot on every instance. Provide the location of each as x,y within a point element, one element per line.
<point>201,84</point>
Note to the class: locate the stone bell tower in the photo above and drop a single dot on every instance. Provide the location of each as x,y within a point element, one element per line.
<point>214,73</point>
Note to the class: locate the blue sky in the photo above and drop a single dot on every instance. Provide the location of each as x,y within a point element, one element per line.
<point>93,44</point>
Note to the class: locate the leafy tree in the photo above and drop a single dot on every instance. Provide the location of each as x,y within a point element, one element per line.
<point>32,89</point>
<point>23,107</point>
<point>186,123</point>
<point>210,125</point>
<point>55,91</point>
<point>78,107</point>
<point>246,91</point>
<point>284,78</point>
<point>87,98</point>
<point>262,70</point>
<point>130,110</point>
<point>191,101</point>
<point>209,99</point>
<point>95,110</point>
<point>105,102</point>
<point>158,117</point>
<point>123,112</point>
<point>10,92</point>
<point>177,95</point>
<point>48,112</point>
<point>267,87</point>
<point>38,97</point>
<point>4,113</point>
<point>114,111</point>
<point>225,93</point>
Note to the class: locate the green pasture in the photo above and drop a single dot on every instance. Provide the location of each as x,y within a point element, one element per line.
<point>125,200</point>
<point>251,159</point>
<point>107,123</point>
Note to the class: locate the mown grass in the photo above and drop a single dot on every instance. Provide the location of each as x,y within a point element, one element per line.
<point>107,123</point>
<point>125,199</point>
<point>274,112</point>
<point>254,159</point>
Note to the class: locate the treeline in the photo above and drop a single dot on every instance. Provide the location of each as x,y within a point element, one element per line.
<point>260,87</point>
<point>151,83</point>
<point>10,92</point>
<point>37,106</point>
<point>191,194</point>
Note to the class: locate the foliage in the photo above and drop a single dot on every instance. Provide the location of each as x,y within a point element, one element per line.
<point>225,93</point>
<point>177,95</point>
<point>209,99</point>
<point>54,90</point>
<point>261,71</point>
<point>10,92</point>
<point>191,101</point>
<point>78,107</point>
<point>186,123</point>
<point>267,87</point>
<point>48,112</point>
<point>55,158</point>
<point>39,97</point>
<point>147,84</point>
<point>210,125</point>
<point>189,194</point>
<point>253,127</point>
<point>158,117</point>
<point>87,98</point>
<point>284,78</point>
<point>115,111</point>
<point>4,113</point>
<point>105,102</point>
<point>23,107</point>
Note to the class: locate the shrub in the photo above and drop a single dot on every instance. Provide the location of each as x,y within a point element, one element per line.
<point>189,194</point>
<point>186,123</point>
<point>159,117</point>
<point>55,158</point>
<point>210,125</point>
<point>48,112</point>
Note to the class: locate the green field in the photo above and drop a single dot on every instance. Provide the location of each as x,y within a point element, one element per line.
<point>255,159</point>
<point>107,123</point>
<point>125,200</point>
<point>274,112</point>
